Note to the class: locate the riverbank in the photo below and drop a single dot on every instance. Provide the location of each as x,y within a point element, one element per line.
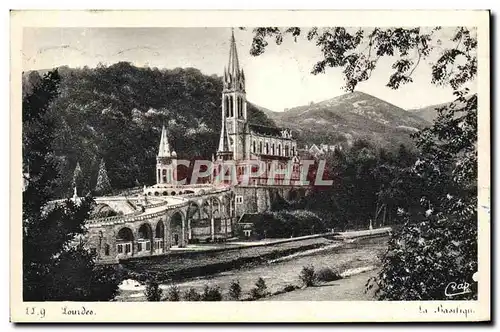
<point>341,255</point>
<point>189,264</point>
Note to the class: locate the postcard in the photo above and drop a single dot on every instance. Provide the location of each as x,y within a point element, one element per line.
<point>289,166</point>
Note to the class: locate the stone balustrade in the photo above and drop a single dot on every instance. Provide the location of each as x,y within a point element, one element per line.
<point>133,217</point>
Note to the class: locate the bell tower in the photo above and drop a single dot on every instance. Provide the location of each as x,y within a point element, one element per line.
<point>234,106</point>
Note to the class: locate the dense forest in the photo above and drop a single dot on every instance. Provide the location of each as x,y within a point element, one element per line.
<point>115,114</point>
<point>369,183</point>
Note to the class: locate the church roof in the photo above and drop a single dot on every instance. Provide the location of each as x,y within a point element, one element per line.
<point>164,149</point>
<point>265,130</point>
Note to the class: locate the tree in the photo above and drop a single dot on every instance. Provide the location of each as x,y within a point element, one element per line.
<point>78,179</point>
<point>192,295</point>
<point>96,118</point>
<point>260,289</point>
<point>211,293</point>
<point>307,276</point>
<point>103,185</point>
<point>56,264</point>
<point>153,291</point>
<point>438,241</point>
<point>173,293</point>
<point>235,290</point>
<point>358,50</point>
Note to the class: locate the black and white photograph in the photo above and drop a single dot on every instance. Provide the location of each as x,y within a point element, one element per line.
<point>240,163</point>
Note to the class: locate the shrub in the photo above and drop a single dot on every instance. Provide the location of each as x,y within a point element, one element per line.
<point>211,294</point>
<point>235,290</point>
<point>260,289</point>
<point>173,293</point>
<point>153,291</point>
<point>307,276</point>
<point>327,274</point>
<point>289,288</point>
<point>192,295</point>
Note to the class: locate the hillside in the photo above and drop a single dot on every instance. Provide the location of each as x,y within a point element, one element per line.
<point>116,113</point>
<point>427,113</point>
<point>348,117</point>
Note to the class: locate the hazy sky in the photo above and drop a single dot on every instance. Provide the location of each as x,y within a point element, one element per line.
<point>278,79</point>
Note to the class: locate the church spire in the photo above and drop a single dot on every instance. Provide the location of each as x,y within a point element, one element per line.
<point>234,78</point>
<point>164,150</point>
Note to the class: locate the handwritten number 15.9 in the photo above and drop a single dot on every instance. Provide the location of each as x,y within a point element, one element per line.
<point>31,311</point>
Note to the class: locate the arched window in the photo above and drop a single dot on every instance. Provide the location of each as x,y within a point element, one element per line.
<point>164,176</point>
<point>106,249</point>
<point>240,107</point>
<point>226,106</point>
<point>272,149</point>
<point>254,146</point>
<point>232,106</point>
<point>267,148</point>
<point>260,147</point>
<point>279,149</point>
<point>293,150</point>
<point>286,151</point>
<point>237,106</point>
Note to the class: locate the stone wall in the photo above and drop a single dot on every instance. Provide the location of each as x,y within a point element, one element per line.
<point>256,199</point>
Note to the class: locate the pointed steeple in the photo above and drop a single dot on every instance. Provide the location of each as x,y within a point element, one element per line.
<point>234,65</point>
<point>164,150</point>
<point>224,140</point>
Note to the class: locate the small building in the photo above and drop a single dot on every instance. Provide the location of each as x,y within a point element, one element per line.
<point>246,224</point>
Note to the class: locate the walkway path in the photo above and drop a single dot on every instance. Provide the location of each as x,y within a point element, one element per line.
<point>348,289</point>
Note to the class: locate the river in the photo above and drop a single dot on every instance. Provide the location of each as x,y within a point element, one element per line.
<point>277,274</point>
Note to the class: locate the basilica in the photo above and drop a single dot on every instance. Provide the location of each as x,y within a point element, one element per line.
<point>171,214</point>
<point>242,145</point>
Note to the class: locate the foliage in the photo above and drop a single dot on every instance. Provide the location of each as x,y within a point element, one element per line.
<point>368,183</point>
<point>327,274</point>
<point>439,245</point>
<point>260,290</point>
<point>235,290</point>
<point>173,293</point>
<point>307,276</point>
<point>289,288</point>
<point>357,51</point>
<point>192,295</point>
<point>78,179</point>
<point>116,113</point>
<point>153,292</point>
<point>284,223</point>
<point>103,185</point>
<point>211,294</point>
<point>56,264</point>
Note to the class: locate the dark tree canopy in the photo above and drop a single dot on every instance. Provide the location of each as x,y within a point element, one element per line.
<point>56,265</point>
<point>116,113</point>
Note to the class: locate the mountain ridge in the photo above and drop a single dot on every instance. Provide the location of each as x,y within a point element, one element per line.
<point>355,115</point>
